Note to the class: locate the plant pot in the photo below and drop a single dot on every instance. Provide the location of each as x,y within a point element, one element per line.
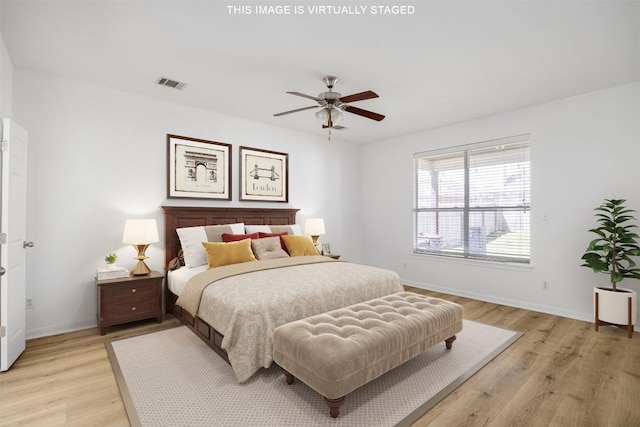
<point>613,307</point>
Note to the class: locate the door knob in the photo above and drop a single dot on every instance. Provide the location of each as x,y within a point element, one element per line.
<point>27,244</point>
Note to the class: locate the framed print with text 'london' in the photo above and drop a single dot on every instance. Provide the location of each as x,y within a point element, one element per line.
<point>264,175</point>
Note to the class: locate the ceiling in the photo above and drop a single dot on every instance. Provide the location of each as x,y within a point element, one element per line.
<point>448,61</point>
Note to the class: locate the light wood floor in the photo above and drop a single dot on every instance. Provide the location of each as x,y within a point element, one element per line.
<point>559,373</point>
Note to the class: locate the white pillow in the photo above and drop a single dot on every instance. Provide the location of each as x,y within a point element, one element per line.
<point>250,229</point>
<point>292,229</point>
<point>191,239</point>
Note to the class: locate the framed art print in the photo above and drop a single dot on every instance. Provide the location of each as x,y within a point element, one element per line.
<point>198,169</point>
<point>264,175</point>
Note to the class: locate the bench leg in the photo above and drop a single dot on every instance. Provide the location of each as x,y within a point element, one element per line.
<point>449,342</point>
<point>334,405</point>
<point>287,376</point>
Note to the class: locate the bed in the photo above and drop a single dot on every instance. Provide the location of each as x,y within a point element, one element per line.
<point>237,314</point>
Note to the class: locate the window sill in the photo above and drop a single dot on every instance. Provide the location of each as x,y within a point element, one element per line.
<point>474,262</point>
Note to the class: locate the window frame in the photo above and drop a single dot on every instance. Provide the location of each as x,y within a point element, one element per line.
<point>466,210</point>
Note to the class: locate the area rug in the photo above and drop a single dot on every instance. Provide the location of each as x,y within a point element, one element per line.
<point>171,378</point>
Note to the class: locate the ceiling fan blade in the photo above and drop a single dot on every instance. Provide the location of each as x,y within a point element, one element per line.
<point>295,111</point>
<point>306,96</point>
<point>364,113</point>
<point>358,97</point>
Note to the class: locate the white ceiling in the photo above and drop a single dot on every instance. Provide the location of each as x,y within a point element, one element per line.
<point>448,62</point>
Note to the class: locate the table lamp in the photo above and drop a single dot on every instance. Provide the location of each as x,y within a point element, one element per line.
<point>139,233</point>
<point>314,227</point>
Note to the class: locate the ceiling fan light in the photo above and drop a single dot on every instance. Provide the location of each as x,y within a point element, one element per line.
<point>322,115</point>
<point>336,116</point>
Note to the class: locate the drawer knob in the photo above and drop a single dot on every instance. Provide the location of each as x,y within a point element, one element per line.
<point>133,291</point>
<point>133,308</point>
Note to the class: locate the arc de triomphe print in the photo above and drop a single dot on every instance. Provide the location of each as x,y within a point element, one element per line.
<point>193,159</point>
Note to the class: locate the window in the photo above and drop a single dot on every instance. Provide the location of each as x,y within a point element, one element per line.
<point>474,201</point>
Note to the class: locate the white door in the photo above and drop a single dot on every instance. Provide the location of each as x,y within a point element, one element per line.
<point>13,226</point>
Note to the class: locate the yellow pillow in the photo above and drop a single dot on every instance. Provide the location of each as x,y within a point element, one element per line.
<point>219,253</point>
<point>299,245</point>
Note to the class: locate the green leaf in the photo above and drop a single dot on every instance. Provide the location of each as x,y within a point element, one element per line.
<point>617,244</point>
<point>616,277</point>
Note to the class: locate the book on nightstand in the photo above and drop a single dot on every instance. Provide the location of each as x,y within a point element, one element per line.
<point>112,273</point>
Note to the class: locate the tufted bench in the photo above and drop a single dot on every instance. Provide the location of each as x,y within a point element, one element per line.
<point>334,353</point>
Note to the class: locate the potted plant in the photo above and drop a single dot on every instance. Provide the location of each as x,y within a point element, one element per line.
<point>111,259</point>
<point>611,252</point>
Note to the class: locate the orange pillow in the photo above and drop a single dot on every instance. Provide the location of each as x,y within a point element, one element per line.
<point>220,253</point>
<point>299,245</point>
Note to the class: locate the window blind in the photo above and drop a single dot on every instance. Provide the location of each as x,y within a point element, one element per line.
<point>474,201</point>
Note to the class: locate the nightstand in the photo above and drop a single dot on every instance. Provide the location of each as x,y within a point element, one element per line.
<point>128,299</point>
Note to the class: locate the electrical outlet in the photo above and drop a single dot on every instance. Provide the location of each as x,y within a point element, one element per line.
<point>29,303</point>
<point>545,285</point>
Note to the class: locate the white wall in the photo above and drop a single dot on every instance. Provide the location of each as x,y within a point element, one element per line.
<point>583,149</point>
<point>98,156</point>
<point>6,81</point>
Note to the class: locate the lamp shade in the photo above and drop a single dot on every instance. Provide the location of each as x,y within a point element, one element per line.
<point>138,231</point>
<point>314,226</point>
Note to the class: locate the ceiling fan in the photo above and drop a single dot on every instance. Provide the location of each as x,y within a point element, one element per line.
<point>332,103</point>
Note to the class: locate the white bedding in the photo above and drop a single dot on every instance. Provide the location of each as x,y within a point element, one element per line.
<point>177,279</point>
<point>246,308</point>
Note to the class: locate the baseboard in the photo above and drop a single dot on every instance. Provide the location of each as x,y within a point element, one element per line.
<point>58,329</point>
<point>586,317</point>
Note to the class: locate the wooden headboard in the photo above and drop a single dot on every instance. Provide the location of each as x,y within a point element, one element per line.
<point>181,216</point>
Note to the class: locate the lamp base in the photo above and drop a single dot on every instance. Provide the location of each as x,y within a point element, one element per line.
<point>141,268</point>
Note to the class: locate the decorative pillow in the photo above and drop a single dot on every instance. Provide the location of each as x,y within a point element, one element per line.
<point>299,245</point>
<point>214,232</point>
<point>220,253</point>
<point>262,235</point>
<point>228,237</point>
<point>256,229</point>
<point>177,262</point>
<point>267,248</point>
<point>293,229</point>
<point>191,239</point>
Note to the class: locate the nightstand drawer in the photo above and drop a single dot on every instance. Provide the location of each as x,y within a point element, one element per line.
<point>132,310</point>
<point>132,292</point>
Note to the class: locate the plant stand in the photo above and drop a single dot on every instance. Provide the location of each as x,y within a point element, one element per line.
<point>628,326</point>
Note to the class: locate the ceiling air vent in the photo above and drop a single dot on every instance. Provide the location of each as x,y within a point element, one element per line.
<point>171,83</point>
